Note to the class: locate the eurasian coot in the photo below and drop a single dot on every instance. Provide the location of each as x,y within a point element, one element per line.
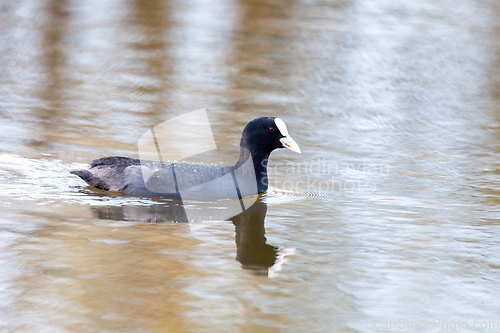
<point>196,181</point>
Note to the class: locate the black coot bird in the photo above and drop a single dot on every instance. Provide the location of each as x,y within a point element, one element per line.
<point>196,181</point>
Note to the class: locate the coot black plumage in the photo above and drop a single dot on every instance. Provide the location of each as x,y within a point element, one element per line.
<point>196,181</point>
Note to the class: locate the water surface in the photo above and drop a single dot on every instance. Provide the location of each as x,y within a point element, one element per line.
<point>389,216</point>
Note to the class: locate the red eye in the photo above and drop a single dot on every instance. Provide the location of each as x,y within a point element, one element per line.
<point>271,129</point>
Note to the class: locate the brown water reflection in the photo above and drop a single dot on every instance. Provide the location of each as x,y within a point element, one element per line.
<point>252,250</point>
<point>392,208</point>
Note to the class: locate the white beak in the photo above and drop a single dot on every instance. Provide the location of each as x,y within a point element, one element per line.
<point>290,143</point>
<point>287,141</point>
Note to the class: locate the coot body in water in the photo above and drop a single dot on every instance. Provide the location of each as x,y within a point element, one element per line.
<point>196,181</point>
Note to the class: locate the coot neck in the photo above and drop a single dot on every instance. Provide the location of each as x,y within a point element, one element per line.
<point>259,160</point>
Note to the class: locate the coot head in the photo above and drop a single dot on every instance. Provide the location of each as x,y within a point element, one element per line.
<point>265,134</point>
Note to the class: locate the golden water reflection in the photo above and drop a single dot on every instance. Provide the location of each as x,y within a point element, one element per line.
<point>252,251</point>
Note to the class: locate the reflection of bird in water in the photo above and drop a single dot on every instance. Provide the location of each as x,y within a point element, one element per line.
<point>252,251</point>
